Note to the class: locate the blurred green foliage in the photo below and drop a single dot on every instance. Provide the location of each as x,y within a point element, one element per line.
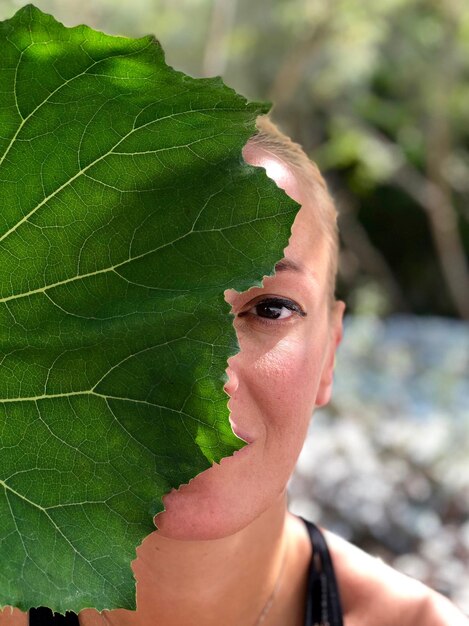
<point>376,93</point>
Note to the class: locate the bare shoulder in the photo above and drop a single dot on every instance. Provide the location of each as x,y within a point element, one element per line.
<point>13,617</point>
<point>375,594</point>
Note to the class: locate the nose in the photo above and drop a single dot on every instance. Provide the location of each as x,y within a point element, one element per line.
<point>233,381</point>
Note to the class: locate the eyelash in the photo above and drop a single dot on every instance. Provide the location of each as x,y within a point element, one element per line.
<point>274,303</point>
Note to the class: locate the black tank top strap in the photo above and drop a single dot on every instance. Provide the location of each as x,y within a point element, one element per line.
<point>45,617</point>
<point>323,607</point>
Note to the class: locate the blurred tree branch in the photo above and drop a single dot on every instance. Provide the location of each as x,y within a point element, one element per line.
<point>216,48</point>
<point>437,193</point>
<point>371,260</point>
<point>433,195</point>
<point>292,70</point>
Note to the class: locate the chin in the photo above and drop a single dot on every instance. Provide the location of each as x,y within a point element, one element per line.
<point>216,504</point>
<point>200,527</point>
<point>199,515</point>
<point>200,520</point>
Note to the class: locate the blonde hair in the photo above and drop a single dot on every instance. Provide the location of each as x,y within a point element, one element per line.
<point>271,138</point>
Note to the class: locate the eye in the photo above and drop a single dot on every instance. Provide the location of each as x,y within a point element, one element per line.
<point>274,308</point>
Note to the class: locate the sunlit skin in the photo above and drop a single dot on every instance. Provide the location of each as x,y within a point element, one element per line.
<point>225,538</point>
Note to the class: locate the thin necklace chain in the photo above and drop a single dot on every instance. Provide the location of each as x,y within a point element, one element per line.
<point>271,598</point>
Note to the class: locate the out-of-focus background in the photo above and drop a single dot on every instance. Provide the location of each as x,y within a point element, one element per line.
<point>378,94</point>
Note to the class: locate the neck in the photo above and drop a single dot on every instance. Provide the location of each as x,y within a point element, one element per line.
<point>225,581</point>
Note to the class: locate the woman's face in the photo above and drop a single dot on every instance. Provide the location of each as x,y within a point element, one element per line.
<point>288,332</point>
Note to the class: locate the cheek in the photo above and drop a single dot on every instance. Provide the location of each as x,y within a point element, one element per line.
<point>283,385</point>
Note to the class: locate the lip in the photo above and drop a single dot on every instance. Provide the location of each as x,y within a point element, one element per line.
<point>241,433</point>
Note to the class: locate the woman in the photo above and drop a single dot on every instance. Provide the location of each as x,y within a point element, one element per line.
<point>227,552</point>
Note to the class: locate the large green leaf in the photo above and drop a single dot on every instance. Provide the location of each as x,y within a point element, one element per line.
<point>126,209</point>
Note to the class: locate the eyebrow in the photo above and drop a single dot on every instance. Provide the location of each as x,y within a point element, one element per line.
<point>287,265</point>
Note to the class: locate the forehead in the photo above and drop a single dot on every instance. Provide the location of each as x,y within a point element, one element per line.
<point>307,247</point>
<point>276,168</point>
